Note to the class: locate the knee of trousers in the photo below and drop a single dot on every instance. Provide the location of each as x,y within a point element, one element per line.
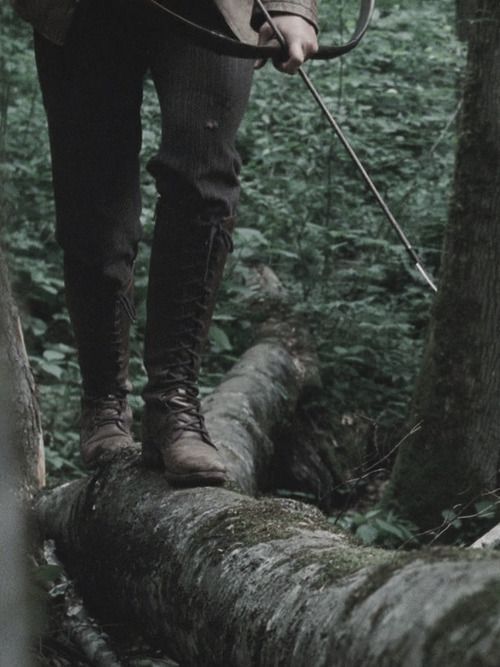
<point>97,222</point>
<point>198,188</point>
<point>108,255</point>
<point>111,277</point>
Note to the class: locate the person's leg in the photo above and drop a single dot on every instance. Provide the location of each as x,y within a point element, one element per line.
<point>202,97</point>
<point>92,91</point>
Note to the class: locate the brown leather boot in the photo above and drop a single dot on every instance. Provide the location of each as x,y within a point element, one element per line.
<point>101,317</point>
<point>187,263</point>
<point>175,438</point>
<point>105,427</point>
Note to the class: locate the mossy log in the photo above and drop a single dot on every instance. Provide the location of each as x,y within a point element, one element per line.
<point>223,579</point>
<point>491,540</point>
<point>220,578</point>
<point>256,398</point>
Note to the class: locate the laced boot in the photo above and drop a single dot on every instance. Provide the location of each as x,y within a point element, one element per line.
<point>105,427</point>
<point>186,269</point>
<point>101,319</point>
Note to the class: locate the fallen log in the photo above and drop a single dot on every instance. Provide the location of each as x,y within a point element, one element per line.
<point>491,540</point>
<point>224,579</point>
<point>320,459</point>
<point>256,397</point>
<point>259,395</point>
<point>220,578</point>
<point>313,457</point>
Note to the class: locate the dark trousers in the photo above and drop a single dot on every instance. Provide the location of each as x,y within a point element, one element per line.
<point>92,90</point>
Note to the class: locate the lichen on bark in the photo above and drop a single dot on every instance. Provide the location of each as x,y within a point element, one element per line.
<point>224,579</point>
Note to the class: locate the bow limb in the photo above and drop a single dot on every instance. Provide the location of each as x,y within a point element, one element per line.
<point>228,46</point>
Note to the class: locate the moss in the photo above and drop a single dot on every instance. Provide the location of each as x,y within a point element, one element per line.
<point>256,522</point>
<point>334,564</point>
<point>260,522</point>
<point>441,554</point>
<point>349,559</point>
<point>395,561</point>
<point>470,620</point>
<point>379,575</point>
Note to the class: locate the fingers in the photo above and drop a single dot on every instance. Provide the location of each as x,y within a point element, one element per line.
<point>298,52</point>
<point>266,38</point>
<point>300,37</point>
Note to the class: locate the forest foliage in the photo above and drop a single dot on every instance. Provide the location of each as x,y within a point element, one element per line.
<point>304,212</point>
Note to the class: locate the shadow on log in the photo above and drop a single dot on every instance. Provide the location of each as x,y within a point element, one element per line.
<point>320,459</point>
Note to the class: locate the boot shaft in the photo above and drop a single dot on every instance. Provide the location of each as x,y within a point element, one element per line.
<point>101,315</point>
<point>187,265</point>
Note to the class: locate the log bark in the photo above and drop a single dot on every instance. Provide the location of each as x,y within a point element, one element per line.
<point>224,579</point>
<point>491,540</point>
<point>257,397</point>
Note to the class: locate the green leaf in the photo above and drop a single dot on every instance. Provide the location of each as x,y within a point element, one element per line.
<point>51,369</point>
<point>53,355</point>
<point>390,528</point>
<point>45,574</point>
<point>367,534</point>
<point>220,338</point>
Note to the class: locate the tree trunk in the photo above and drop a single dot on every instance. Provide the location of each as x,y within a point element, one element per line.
<point>19,394</point>
<point>465,11</point>
<point>21,474</point>
<point>453,458</point>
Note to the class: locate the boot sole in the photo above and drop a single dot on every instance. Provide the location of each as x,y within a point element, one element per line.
<point>152,458</point>
<point>196,479</point>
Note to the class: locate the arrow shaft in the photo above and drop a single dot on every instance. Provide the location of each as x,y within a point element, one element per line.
<point>352,154</point>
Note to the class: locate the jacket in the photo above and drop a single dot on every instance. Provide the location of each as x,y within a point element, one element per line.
<point>52,18</point>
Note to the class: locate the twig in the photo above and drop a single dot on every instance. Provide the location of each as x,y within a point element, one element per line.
<point>372,470</point>
<point>444,132</point>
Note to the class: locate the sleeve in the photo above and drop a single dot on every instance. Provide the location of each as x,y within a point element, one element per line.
<point>308,9</point>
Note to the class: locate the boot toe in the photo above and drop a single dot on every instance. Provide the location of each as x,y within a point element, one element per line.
<point>193,463</point>
<point>93,453</point>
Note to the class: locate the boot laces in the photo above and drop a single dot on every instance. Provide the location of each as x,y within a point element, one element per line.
<point>107,410</point>
<point>179,391</point>
<point>217,232</point>
<point>192,303</point>
<point>185,409</point>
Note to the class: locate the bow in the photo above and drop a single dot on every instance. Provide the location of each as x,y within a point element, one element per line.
<point>227,46</point>
<point>224,45</point>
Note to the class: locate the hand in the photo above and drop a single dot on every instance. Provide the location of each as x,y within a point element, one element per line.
<point>300,37</point>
